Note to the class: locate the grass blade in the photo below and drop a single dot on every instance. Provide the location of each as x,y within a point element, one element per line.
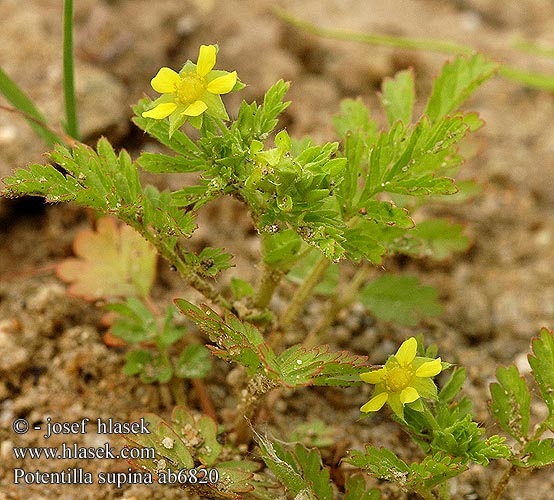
<point>23,104</point>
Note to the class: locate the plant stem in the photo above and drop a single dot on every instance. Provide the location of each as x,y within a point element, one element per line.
<point>336,305</point>
<point>175,385</point>
<point>258,386</point>
<point>72,124</point>
<point>425,493</point>
<point>303,293</point>
<point>501,485</point>
<point>269,281</point>
<point>187,273</point>
<point>204,398</point>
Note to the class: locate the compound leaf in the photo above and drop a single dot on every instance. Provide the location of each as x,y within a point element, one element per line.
<point>537,453</point>
<point>457,81</point>
<point>357,489</point>
<point>299,366</point>
<point>398,97</point>
<point>300,470</point>
<point>511,402</point>
<point>188,442</point>
<point>542,364</point>
<point>381,463</point>
<point>113,261</point>
<point>433,470</point>
<point>243,343</point>
<point>235,340</point>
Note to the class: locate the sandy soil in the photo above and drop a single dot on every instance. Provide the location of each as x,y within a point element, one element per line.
<point>497,296</point>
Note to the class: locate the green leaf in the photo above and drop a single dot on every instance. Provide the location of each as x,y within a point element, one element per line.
<point>209,262</point>
<point>135,322</point>
<point>537,453</point>
<point>241,289</point>
<point>113,261</point>
<point>280,249</point>
<point>298,366</point>
<point>256,122</point>
<point>158,163</point>
<point>357,489</point>
<point>187,443</point>
<point>194,362</point>
<point>242,343</point>
<point>452,386</point>
<point>440,238</point>
<point>172,450</point>
<point>235,340</point>
<point>314,433</point>
<point>542,364</point>
<point>381,463</point>
<point>384,212</point>
<point>457,81</point>
<point>398,97</point>
<point>354,116</point>
<point>363,242</point>
<point>511,402</point>
<point>34,117</point>
<point>284,471</point>
<point>106,182</point>
<point>300,470</point>
<point>400,299</point>
<point>136,362</point>
<point>433,470</point>
<point>159,129</point>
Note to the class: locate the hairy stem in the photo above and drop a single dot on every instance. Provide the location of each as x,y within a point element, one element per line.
<point>336,305</point>
<point>256,388</point>
<point>501,485</point>
<point>269,281</point>
<point>204,398</point>
<point>426,494</point>
<point>175,385</point>
<point>72,124</point>
<point>188,274</point>
<point>303,293</point>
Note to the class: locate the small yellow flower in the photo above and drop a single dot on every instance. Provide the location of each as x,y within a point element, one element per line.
<point>403,380</point>
<point>195,90</point>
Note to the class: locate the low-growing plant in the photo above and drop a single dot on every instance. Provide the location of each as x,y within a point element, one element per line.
<point>326,216</point>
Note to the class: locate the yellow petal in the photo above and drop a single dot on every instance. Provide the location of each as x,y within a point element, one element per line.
<point>375,376</point>
<point>223,84</point>
<point>206,59</point>
<point>166,81</point>
<point>408,395</point>
<point>196,108</point>
<point>429,369</point>
<point>375,403</point>
<point>406,352</point>
<point>160,111</point>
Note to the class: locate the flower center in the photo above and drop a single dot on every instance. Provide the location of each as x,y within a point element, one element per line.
<point>191,88</point>
<point>398,378</point>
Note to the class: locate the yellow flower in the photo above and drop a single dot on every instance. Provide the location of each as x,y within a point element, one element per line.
<point>403,380</point>
<point>195,90</point>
